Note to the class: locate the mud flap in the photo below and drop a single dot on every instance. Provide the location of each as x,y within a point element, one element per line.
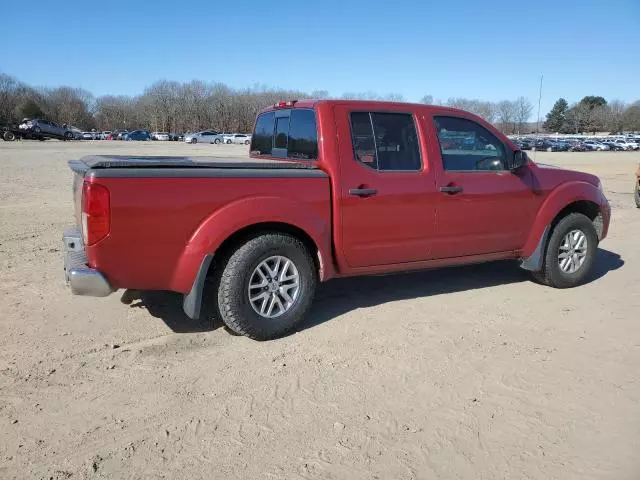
<point>535,261</point>
<point>192,304</point>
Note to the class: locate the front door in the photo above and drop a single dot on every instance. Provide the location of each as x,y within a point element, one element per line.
<point>482,206</point>
<point>386,199</point>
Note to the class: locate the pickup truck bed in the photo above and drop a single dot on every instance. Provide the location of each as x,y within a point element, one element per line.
<point>120,165</point>
<point>162,210</point>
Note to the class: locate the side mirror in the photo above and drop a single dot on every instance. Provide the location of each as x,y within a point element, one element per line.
<point>520,159</point>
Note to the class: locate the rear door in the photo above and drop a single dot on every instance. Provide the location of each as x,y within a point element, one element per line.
<point>482,206</point>
<point>387,197</point>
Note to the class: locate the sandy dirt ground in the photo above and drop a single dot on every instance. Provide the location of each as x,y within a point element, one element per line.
<point>473,372</point>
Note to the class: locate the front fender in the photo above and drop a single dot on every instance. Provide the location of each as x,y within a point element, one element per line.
<point>557,200</point>
<point>231,218</point>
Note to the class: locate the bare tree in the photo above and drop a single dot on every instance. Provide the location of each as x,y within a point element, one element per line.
<point>523,109</point>
<point>506,116</point>
<point>427,100</point>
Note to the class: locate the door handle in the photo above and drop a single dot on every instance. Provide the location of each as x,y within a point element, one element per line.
<point>452,189</point>
<point>362,192</point>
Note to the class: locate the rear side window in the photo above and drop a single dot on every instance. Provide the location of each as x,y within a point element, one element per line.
<point>303,135</point>
<point>290,133</point>
<point>262,140</point>
<point>385,141</point>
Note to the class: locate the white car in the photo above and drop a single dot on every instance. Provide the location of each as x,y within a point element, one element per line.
<point>627,143</point>
<point>104,135</point>
<point>206,136</point>
<point>160,136</point>
<point>238,138</point>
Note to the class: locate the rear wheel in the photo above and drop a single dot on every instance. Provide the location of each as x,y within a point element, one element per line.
<point>570,252</point>
<point>194,140</point>
<point>68,136</point>
<point>216,141</point>
<point>8,136</point>
<point>246,142</point>
<point>267,286</point>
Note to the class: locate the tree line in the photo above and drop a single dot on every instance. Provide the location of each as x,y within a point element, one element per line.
<point>593,114</point>
<point>196,105</point>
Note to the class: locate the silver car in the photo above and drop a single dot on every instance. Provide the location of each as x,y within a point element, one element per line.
<point>46,129</point>
<point>238,138</point>
<point>206,136</point>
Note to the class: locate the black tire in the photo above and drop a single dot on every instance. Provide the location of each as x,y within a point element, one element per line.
<point>9,136</point>
<point>551,274</point>
<point>636,195</point>
<point>36,130</point>
<point>68,136</point>
<point>216,141</point>
<point>247,142</point>
<point>233,303</point>
<point>228,142</point>
<point>194,140</point>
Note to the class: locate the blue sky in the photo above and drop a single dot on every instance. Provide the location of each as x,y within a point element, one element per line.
<point>490,50</point>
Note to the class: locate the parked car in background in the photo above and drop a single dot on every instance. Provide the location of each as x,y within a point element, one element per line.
<point>137,135</point>
<point>40,128</point>
<point>577,147</point>
<point>206,136</point>
<point>596,146</point>
<point>543,145</point>
<point>239,138</point>
<point>88,136</point>
<point>119,134</point>
<point>627,143</point>
<point>176,137</point>
<point>524,144</point>
<point>160,136</point>
<point>613,145</point>
<point>106,135</point>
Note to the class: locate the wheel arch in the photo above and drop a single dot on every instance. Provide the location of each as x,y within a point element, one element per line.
<point>213,263</point>
<point>241,236</point>
<point>576,197</point>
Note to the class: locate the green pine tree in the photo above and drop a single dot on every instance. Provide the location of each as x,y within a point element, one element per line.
<point>555,118</point>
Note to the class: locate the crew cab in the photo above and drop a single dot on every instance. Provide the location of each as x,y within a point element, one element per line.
<point>330,188</point>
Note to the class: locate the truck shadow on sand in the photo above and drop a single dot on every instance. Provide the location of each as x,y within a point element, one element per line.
<point>343,295</point>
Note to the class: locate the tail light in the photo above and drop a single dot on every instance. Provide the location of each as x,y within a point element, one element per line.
<point>96,213</point>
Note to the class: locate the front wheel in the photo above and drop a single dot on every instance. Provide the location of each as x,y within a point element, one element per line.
<point>267,286</point>
<point>194,140</point>
<point>570,252</point>
<point>246,142</point>
<point>68,136</point>
<point>216,141</point>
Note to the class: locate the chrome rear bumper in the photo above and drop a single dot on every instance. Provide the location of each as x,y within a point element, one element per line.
<point>82,279</point>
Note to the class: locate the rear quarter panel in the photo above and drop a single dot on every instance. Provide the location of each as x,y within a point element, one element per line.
<point>161,228</point>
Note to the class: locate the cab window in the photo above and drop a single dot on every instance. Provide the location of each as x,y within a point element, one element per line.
<point>466,146</point>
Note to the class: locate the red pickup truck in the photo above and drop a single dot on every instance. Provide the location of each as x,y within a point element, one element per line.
<point>330,189</point>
